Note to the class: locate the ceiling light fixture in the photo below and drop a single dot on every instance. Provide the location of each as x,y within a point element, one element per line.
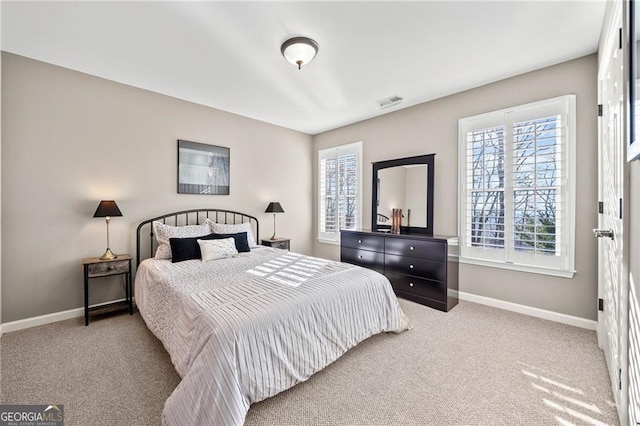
<point>299,50</point>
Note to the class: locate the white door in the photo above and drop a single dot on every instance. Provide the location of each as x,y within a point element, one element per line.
<point>612,282</point>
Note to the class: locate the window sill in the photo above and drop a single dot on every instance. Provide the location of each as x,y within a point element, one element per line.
<point>325,241</point>
<point>521,268</point>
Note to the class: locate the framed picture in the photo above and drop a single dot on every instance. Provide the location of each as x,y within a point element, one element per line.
<point>633,150</point>
<point>202,168</point>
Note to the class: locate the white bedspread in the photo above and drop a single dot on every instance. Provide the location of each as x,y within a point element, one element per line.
<point>244,329</point>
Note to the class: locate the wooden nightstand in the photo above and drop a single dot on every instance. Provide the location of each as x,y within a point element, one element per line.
<point>96,268</point>
<point>281,243</point>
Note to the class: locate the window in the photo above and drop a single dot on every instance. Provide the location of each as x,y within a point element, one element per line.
<point>339,192</point>
<point>517,172</point>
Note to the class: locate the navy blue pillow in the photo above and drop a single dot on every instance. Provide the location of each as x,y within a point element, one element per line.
<point>187,248</point>
<point>242,245</point>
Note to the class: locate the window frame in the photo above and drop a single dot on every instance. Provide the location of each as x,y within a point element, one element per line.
<point>334,152</point>
<point>562,265</point>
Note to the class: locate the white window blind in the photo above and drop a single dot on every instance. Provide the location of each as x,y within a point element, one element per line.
<point>517,171</point>
<point>339,192</point>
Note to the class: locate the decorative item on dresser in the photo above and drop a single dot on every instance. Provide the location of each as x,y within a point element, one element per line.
<point>96,267</point>
<point>419,267</point>
<point>281,243</point>
<point>396,220</point>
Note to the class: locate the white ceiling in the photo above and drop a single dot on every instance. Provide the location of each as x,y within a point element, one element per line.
<point>227,54</point>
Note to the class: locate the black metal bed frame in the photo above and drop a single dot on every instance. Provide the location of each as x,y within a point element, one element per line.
<point>192,217</point>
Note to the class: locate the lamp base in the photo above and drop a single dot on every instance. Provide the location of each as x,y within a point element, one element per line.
<point>273,237</point>
<point>108,255</point>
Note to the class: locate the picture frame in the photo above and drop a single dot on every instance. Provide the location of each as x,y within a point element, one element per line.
<point>633,147</point>
<point>203,169</point>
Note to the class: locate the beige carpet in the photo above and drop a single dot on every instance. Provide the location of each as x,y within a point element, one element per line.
<point>472,366</point>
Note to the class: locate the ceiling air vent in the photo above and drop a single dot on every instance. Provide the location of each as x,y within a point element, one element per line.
<point>389,102</point>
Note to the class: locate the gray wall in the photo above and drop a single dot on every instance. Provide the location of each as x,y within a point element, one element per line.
<point>432,127</point>
<point>70,140</point>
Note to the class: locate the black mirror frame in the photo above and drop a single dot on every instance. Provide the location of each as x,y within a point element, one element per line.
<point>429,160</point>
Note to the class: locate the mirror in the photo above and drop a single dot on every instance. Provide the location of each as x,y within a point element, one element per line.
<point>403,187</point>
<point>407,184</point>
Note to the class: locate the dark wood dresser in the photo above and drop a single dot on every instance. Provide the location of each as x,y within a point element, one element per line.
<point>419,267</point>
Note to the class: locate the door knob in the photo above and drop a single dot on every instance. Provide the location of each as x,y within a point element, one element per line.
<point>600,233</point>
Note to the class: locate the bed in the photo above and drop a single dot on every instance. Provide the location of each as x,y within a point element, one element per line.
<point>244,328</point>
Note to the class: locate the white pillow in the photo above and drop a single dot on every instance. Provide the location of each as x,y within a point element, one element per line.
<point>217,249</point>
<point>221,228</point>
<point>164,232</point>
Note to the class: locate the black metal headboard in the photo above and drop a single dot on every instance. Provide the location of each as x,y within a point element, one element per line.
<point>189,217</point>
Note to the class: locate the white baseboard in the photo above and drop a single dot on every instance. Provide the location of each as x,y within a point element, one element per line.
<point>47,319</point>
<point>496,303</point>
<point>529,310</point>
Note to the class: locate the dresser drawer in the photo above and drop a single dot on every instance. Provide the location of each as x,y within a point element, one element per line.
<point>366,258</point>
<point>419,287</point>
<point>362,241</point>
<point>424,249</point>
<point>108,268</point>
<point>421,268</point>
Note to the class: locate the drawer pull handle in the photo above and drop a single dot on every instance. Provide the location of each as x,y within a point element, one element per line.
<point>360,257</point>
<point>109,268</point>
<point>410,284</point>
<point>411,248</point>
<point>359,241</point>
<point>410,266</point>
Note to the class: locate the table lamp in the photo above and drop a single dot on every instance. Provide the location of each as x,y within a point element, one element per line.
<point>106,209</point>
<point>274,207</point>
